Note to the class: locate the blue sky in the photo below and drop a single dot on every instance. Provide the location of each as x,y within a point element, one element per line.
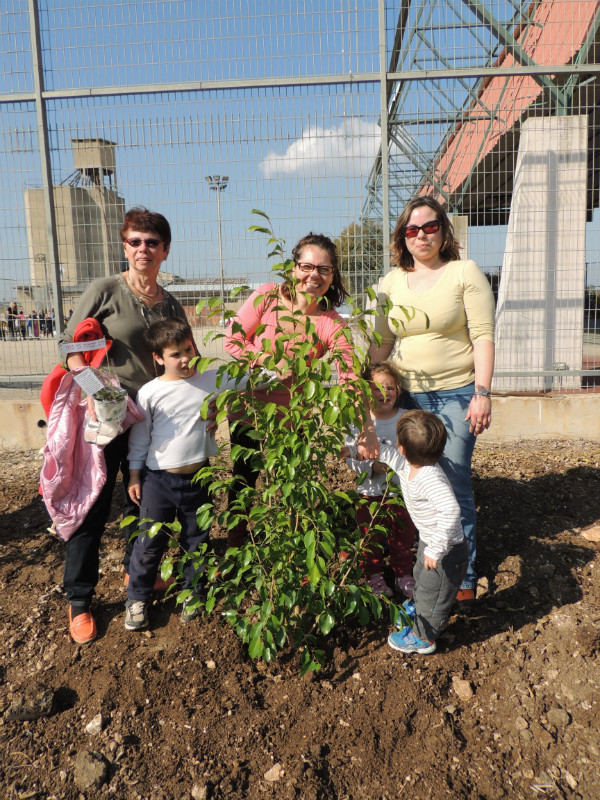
<point>300,153</point>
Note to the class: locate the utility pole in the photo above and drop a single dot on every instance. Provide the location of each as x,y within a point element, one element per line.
<point>218,184</point>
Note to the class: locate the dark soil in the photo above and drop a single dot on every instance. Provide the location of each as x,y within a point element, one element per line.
<point>185,713</point>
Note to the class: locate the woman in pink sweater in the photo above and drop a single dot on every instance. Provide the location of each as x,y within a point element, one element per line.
<point>317,289</point>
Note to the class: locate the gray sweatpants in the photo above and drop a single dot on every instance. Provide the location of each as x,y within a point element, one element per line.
<point>435,589</point>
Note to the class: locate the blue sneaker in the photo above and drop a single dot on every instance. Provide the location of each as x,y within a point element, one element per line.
<point>408,607</point>
<point>409,643</point>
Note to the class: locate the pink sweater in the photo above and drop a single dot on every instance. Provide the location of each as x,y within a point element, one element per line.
<point>329,326</point>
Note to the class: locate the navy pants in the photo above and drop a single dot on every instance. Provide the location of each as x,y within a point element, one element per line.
<point>82,556</point>
<point>165,495</point>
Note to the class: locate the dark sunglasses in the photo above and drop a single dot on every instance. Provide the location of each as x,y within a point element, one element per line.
<point>410,231</point>
<point>151,243</point>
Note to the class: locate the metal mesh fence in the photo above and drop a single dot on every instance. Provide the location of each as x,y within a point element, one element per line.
<point>298,111</point>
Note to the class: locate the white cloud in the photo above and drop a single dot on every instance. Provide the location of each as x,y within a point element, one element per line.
<point>347,150</point>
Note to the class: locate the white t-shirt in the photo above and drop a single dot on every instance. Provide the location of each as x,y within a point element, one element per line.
<point>172,433</point>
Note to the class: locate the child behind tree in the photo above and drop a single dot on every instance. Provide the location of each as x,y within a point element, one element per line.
<point>399,536</point>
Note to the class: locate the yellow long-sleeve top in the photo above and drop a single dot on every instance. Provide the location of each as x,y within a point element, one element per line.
<point>459,308</point>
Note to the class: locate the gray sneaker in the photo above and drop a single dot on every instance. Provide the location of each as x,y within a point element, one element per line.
<point>136,615</point>
<point>187,613</point>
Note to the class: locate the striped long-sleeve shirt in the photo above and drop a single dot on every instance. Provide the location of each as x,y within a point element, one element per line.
<point>430,501</point>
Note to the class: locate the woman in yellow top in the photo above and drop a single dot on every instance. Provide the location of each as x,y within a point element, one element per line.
<point>445,352</point>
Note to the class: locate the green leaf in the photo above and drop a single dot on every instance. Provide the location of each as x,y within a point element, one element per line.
<point>255,648</point>
<point>261,213</point>
<point>326,622</point>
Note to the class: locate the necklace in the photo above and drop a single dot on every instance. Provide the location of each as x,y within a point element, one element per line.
<point>139,291</point>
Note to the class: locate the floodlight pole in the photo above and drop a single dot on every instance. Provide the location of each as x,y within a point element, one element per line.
<point>218,183</point>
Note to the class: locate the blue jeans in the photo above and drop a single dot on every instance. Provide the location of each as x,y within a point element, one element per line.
<point>451,407</point>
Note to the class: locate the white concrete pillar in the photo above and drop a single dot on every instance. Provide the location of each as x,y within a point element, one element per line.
<point>539,319</point>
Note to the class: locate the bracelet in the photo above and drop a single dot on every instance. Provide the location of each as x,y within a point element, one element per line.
<point>482,394</point>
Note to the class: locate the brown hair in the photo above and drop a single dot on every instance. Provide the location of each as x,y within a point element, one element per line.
<point>423,437</point>
<point>387,368</point>
<point>166,332</point>
<point>450,249</point>
<point>337,292</point>
<point>144,221</point>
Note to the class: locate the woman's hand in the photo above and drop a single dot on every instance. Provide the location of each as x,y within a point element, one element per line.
<point>479,414</point>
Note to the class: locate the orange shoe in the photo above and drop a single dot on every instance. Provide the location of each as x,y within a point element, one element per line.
<point>465,597</point>
<point>159,584</point>
<point>82,628</point>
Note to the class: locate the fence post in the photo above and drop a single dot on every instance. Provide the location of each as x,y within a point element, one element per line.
<point>46,167</point>
<point>384,122</point>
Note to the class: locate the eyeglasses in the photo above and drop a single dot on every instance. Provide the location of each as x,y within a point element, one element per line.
<point>322,269</point>
<point>410,231</point>
<point>151,243</point>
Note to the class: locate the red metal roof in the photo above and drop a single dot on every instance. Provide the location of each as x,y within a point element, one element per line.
<point>557,34</point>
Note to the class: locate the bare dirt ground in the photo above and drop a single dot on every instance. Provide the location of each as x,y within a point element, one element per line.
<point>509,706</point>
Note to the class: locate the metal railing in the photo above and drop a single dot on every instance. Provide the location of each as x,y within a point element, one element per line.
<point>328,118</point>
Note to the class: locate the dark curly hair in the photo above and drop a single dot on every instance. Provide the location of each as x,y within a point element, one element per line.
<point>337,292</point>
<point>450,249</point>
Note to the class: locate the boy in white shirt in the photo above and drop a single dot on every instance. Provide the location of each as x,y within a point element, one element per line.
<point>166,450</point>
<point>442,554</point>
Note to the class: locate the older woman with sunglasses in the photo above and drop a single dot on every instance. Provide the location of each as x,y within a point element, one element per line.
<point>125,305</point>
<point>315,290</point>
<point>444,346</point>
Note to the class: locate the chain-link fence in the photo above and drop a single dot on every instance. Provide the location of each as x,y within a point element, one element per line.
<point>327,116</point>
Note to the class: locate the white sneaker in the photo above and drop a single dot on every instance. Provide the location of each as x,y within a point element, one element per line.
<point>136,615</point>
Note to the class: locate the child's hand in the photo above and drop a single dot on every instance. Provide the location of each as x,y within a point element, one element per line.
<point>344,453</point>
<point>379,468</point>
<point>211,420</point>
<point>430,563</point>
<point>368,443</point>
<point>135,492</point>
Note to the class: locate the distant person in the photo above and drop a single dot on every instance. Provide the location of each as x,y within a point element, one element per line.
<point>29,325</point>
<point>399,535</point>
<point>125,305</point>
<point>22,324</point>
<point>166,450</point>
<point>445,351</point>
<point>442,554</point>
<point>12,317</point>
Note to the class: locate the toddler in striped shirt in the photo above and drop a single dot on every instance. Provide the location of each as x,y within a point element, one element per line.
<point>442,553</point>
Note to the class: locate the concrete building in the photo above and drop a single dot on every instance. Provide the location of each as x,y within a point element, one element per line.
<point>89,214</point>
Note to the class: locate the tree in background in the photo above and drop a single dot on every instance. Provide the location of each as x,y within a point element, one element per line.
<point>360,247</point>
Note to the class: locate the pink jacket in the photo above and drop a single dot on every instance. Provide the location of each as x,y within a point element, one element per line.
<point>74,470</point>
